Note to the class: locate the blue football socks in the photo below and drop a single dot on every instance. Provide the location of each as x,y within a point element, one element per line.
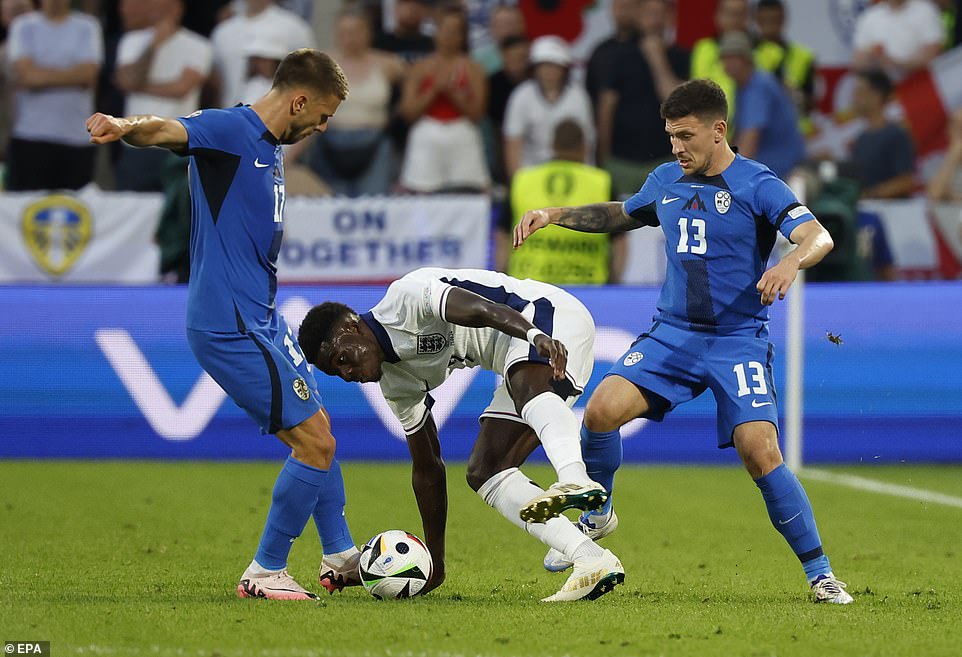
<point>602,453</point>
<point>295,496</point>
<point>329,513</point>
<point>791,514</point>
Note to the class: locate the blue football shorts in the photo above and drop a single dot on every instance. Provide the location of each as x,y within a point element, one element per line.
<point>264,372</point>
<point>672,365</point>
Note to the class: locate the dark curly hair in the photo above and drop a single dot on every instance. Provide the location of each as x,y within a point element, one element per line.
<point>318,327</point>
<point>701,98</point>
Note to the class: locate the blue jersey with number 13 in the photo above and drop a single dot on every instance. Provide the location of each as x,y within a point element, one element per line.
<point>719,232</point>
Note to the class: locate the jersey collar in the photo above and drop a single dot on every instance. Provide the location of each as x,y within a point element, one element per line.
<point>382,338</point>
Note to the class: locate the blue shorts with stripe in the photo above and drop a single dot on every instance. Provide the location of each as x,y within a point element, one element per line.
<point>674,365</point>
<point>264,372</point>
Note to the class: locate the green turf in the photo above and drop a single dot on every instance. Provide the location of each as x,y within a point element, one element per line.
<point>142,559</point>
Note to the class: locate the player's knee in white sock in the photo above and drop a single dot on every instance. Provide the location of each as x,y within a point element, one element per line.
<point>559,431</point>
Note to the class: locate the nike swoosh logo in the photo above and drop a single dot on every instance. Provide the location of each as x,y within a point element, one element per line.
<point>697,186</point>
<point>785,522</point>
<point>755,404</point>
<point>259,165</point>
<point>665,200</point>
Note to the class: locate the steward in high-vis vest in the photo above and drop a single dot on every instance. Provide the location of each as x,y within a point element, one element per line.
<point>556,255</point>
<point>730,16</point>
<point>793,64</point>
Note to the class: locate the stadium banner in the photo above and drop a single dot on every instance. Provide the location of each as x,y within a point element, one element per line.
<point>86,237</point>
<point>106,373</point>
<point>379,239</point>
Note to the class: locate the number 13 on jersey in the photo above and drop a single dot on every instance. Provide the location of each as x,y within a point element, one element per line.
<point>693,241</point>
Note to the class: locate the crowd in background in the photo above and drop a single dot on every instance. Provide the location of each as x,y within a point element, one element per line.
<point>431,112</point>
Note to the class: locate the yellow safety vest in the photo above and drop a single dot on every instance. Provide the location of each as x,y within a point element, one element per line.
<point>795,63</point>
<point>555,254</point>
<point>706,63</point>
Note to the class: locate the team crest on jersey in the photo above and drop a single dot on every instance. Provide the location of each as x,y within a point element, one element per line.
<point>300,387</point>
<point>633,358</point>
<point>723,201</point>
<point>432,343</point>
<point>56,230</point>
<point>695,203</point>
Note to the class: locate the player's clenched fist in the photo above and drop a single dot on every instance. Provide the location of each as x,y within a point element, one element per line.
<point>531,221</point>
<point>104,128</point>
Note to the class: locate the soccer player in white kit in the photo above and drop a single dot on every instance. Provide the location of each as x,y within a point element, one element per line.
<point>433,321</point>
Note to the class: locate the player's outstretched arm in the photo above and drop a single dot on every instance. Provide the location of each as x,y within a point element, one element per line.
<point>429,480</point>
<point>140,130</point>
<point>814,243</point>
<point>593,218</point>
<point>466,308</point>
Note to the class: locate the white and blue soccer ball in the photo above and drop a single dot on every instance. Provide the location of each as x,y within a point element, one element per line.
<point>395,564</point>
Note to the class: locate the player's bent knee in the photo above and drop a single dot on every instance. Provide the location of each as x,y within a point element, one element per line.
<point>601,416</point>
<point>311,441</point>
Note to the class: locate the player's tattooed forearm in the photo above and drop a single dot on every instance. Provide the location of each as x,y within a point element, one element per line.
<point>596,218</point>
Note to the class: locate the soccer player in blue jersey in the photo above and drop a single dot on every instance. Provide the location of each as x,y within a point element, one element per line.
<point>233,328</point>
<point>719,212</point>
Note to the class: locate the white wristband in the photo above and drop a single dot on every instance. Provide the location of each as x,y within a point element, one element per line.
<point>534,333</point>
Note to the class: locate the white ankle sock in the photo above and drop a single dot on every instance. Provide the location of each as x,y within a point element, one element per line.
<point>510,490</point>
<point>560,435</point>
<point>259,571</point>
<point>338,559</point>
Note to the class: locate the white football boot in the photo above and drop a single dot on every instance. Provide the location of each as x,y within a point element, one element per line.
<point>556,561</point>
<point>560,497</point>
<point>278,585</point>
<point>336,577</point>
<point>591,579</point>
<point>828,589</point>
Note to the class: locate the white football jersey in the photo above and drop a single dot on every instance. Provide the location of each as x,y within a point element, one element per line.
<point>422,347</point>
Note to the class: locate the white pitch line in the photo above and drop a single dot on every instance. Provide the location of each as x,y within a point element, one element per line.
<point>897,490</point>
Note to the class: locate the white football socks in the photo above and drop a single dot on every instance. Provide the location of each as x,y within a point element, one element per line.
<point>560,434</point>
<point>339,559</point>
<point>257,570</point>
<point>510,490</point>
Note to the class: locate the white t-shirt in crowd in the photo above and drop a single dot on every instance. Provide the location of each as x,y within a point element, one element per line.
<point>54,114</point>
<point>231,37</point>
<point>901,32</point>
<point>184,50</point>
<point>532,118</point>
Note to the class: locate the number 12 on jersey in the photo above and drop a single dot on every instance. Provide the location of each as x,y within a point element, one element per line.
<point>699,243</point>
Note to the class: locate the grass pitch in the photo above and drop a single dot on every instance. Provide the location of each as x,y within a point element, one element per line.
<point>134,558</point>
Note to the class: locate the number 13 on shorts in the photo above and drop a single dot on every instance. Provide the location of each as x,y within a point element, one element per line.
<point>755,371</point>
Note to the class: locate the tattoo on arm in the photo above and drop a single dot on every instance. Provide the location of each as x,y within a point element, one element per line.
<point>598,218</point>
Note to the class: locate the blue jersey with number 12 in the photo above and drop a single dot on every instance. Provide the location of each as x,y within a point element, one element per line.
<point>719,232</point>
<point>237,209</point>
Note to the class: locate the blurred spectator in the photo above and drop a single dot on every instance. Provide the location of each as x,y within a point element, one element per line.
<point>407,40</point>
<point>883,154</point>
<point>264,21</point>
<point>946,185</point>
<point>9,9</point>
<point>505,22</point>
<point>766,124</point>
<point>355,156</point>
<point>730,16</point>
<point>631,135</point>
<point>55,55</point>
<point>624,16</point>
<point>444,98</point>
<point>898,36</point>
<point>792,63</point>
<point>162,69</point>
<point>515,69</point>
<point>556,255</point>
<point>262,55</point>
<point>538,105</point>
